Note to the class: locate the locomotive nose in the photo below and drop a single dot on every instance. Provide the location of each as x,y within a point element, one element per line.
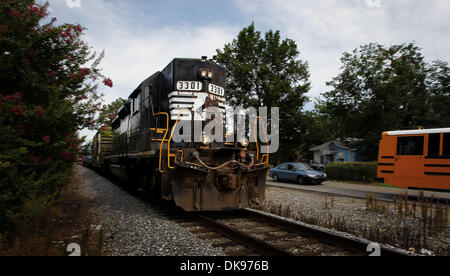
<point>228,182</point>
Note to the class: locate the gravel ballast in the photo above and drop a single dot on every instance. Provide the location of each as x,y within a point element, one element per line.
<point>354,216</point>
<point>132,227</point>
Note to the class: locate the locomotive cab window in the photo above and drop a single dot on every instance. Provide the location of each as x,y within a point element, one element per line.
<point>410,145</point>
<point>434,145</point>
<point>135,104</point>
<point>446,144</point>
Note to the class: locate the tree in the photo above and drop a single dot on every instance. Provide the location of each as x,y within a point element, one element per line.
<point>438,112</point>
<point>48,91</point>
<point>109,112</point>
<point>384,88</point>
<point>319,130</point>
<point>266,72</point>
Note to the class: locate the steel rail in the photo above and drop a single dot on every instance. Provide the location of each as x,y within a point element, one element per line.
<point>250,242</point>
<point>331,238</point>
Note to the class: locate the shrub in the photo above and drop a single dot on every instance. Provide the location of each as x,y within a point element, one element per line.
<point>48,92</point>
<point>359,171</point>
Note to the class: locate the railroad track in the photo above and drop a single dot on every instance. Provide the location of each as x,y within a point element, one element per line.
<point>254,233</point>
<point>248,232</point>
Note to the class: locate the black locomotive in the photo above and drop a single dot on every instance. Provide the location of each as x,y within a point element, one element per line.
<point>201,174</point>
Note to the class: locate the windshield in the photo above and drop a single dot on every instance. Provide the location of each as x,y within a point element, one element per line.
<point>301,167</point>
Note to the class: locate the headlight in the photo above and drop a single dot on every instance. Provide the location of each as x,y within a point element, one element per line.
<point>311,175</point>
<point>244,143</point>
<point>203,73</point>
<point>210,75</point>
<point>206,140</point>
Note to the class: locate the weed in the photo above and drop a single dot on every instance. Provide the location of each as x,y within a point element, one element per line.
<point>84,242</point>
<point>413,222</point>
<point>58,220</point>
<point>100,240</point>
<point>328,205</point>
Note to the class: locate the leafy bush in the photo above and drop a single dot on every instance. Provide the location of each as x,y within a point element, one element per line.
<point>48,92</point>
<point>359,171</point>
<point>1,242</point>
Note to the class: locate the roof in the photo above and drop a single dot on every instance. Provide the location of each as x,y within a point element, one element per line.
<point>417,131</point>
<point>346,143</point>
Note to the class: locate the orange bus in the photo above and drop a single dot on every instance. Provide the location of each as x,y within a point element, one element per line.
<point>415,159</point>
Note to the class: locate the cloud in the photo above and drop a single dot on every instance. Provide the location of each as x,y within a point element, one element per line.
<point>325,29</point>
<point>142,37</point>
<point>135,49</point>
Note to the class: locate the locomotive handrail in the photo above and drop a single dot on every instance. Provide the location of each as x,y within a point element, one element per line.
<point>182,155</point>
<point>162,143</point>
<point>170,138</point>
<point>223,165</point>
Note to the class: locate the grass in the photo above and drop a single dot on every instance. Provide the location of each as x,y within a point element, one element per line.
<point>373,184</point>
<point>65,222</point>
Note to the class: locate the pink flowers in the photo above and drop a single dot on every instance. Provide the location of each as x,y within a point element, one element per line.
<point>52,74</point>
<point>85,71</point>
<point>67,34</point>
<point>108,82</point>
<point>39,110</point>
<point>46,139</point>
<point>42,13</point>
<point>72,75</point>
<point>84,97</point>
<point>36,160</point>
<point>66,155</point>
<point>78,28</point>
<point>33,9</point>
<point>3,29</point>
<point>17,110</point>
<point>16,96</point>
<point>74,146</point>
<point>16,14</point>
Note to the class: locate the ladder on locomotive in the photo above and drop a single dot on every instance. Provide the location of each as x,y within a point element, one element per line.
<point>161,134</point>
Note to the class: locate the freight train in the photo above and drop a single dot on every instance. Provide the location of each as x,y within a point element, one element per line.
<point>200,175</point>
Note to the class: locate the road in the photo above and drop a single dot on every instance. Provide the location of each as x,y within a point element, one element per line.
<point>358,191</point>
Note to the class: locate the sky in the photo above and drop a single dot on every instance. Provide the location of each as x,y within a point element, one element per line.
<point>141,37</point>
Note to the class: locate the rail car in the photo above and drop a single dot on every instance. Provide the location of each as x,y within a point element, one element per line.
<point>415,159</point>
<point>197,176</point>
<point>102,146</point>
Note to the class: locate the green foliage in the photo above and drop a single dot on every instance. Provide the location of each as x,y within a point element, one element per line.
<point>318,130</point>
<point>47,94</point>
<point>438,82</point>
<point>109,112</point>
<point>2,241</point>
<point>386,88</point>
<point>266,72</point>
<point>358,171</point>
